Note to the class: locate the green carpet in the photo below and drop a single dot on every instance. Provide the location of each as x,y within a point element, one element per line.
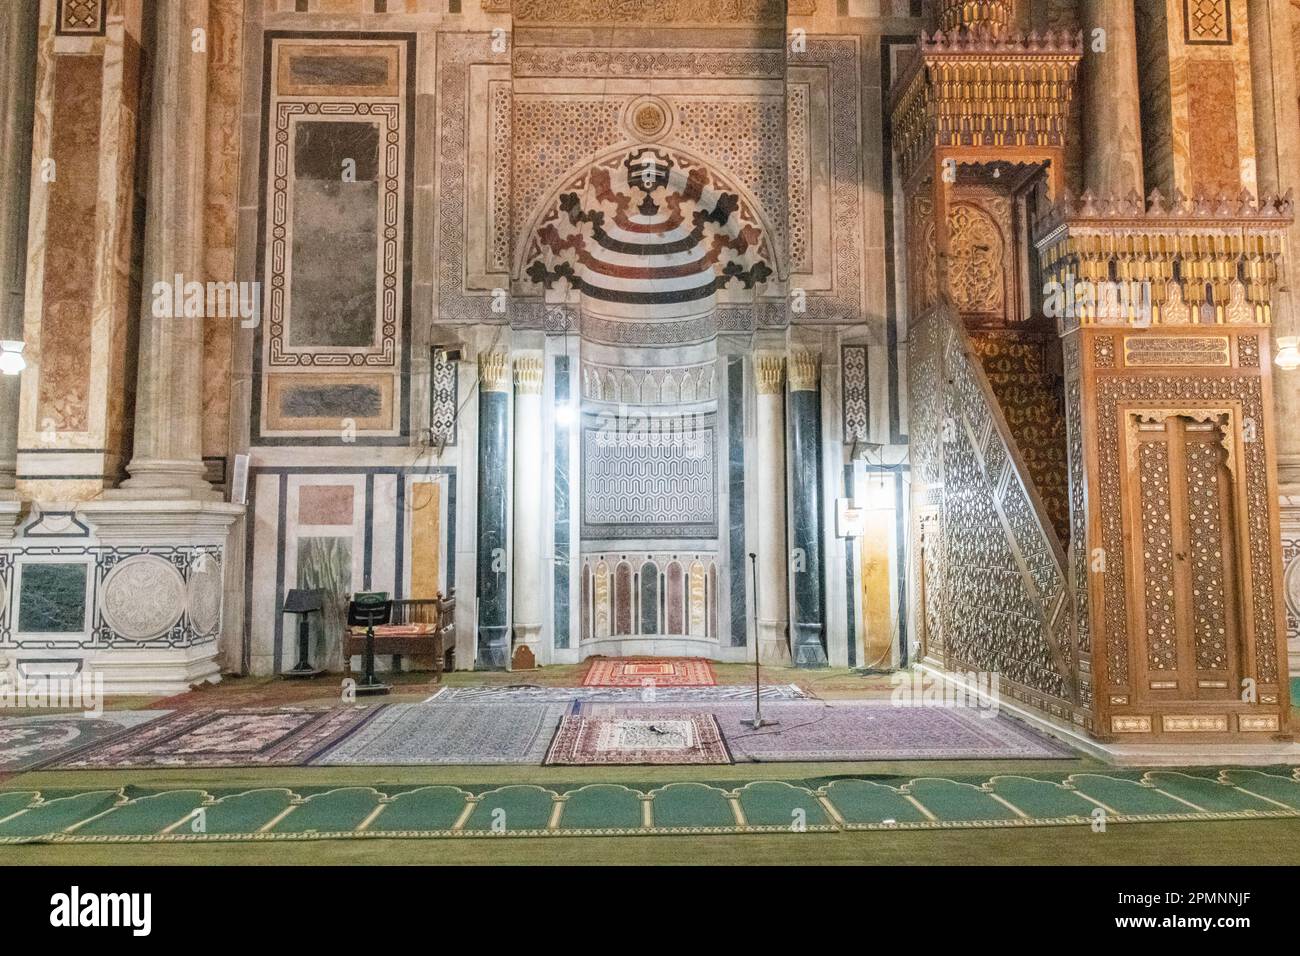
<point>880,802</point>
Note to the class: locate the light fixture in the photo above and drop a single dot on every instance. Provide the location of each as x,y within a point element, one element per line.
<point>12,361</point>
<point>564,414</point>
<point>1287,358</point>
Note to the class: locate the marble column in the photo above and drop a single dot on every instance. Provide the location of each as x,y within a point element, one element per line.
<point>82,255</point>
<point>770,597</point>
<point>527,616</point>
<point>167,456</point>
<point>1111,108</point>
<point>493,454</point>
<point>809,633</point>
<point>18,22</point>
<point>1277,151</point>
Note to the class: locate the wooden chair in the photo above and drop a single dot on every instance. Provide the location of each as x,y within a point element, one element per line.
<point>420,627</point>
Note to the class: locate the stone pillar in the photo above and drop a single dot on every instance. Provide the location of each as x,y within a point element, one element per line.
<point>809,637</point>
<point>527,616</point>
<point>493,451</point>
<point>770,598</point>
<point>82,252</point>
<point>1277,150</point>
<point>1111,108</point>
<point>167,461</point>
<point>18,23</point>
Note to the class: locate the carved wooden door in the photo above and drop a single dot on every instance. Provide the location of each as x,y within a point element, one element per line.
<point>1183,564</point>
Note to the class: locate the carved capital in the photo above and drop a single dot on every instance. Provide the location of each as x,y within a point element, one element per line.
<point>528,375</point>
<point>494,372</point>
<point>805,368</point>
<point>769,372</point>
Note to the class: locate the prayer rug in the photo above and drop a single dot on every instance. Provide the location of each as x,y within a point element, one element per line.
<point>649,672</point>
<point>451,734</point>
<point>816,731</point>
<point>27,742</point>
<point>879,801</point>
<point>225,737</point>
<point>679,738</point>
<point>614,695</point>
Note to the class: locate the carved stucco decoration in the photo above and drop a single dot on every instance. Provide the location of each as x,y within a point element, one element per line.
<point>204,600</point>
<point>144,597</point>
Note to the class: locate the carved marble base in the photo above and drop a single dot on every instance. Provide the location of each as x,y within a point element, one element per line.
<point>169,602</point>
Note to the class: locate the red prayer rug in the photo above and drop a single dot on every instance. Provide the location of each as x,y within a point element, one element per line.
<point>649,672</point>
<point>661,739</point>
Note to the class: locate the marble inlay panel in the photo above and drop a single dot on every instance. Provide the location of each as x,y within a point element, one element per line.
<point>326,504</point>
<point>336,188</point>
<point>52,598</point>
<point>1211,98</point>
<point>79,17</point>
<point>65,360</point>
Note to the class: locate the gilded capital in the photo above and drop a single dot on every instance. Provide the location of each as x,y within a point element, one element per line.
<point>769,372</point>
<point>805,368</point>
<point>528,375</point>
<point>494,372</point>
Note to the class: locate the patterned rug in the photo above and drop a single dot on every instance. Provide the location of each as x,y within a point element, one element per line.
<point>451,734</point>
<point>26,742</point>
<point>225,737</point>
<point>649,672</point>
<point>814,731</point>
<point>615,695</point>
<point>671,738</point>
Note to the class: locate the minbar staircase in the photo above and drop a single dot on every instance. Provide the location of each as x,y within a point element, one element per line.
<point>1023,369</point>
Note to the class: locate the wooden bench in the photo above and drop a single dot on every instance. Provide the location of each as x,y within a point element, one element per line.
<point>420,627</point>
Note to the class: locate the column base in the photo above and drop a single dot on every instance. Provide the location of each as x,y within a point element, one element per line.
<point>773,647</point>
<point>808,649</point>
<point>493,648</point>
<point>159,479</point>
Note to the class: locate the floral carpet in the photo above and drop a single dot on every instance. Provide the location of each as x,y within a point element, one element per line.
<point>670,738</point>
<point>649,672</point>
<point>26,742</point>
<point>225,737</point>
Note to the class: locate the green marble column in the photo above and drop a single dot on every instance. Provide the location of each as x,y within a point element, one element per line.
<point>493,561</point>
<point>809,637</point>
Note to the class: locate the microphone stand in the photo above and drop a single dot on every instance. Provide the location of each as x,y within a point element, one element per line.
<point>758,721</point>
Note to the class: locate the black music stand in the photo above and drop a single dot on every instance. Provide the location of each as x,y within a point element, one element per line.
<point>370,610</point>
<point>302,601</point>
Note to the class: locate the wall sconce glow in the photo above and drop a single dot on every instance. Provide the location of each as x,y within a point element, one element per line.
<point>11,357</point>
<point>564,415</point>
<point>1288,353</point>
